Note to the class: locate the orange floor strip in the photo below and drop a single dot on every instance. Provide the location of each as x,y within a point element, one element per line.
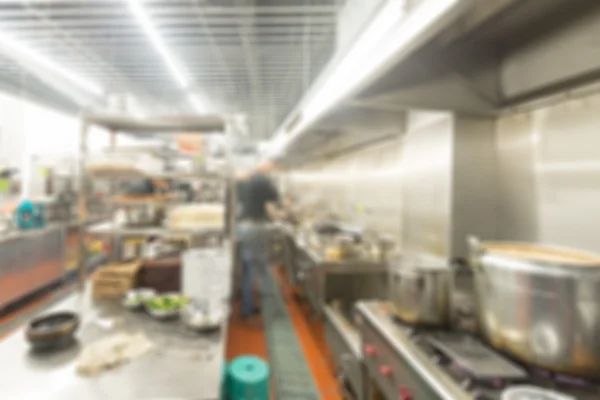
<point>244,338</point>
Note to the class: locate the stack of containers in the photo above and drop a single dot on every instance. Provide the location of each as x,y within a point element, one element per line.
<point>206,277</point>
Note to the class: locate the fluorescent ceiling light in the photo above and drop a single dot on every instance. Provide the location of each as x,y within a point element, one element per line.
<point>348,73</point>
<point>198,106</point>
<point>33,56</point>
<point>387,37</point>
<point>142,18</point>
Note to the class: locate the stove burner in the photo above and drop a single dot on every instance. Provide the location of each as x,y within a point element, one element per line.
<point>482,372</point>
<point>475,359</point>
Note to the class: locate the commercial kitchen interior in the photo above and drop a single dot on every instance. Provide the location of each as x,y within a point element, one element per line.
<point>438,170</point>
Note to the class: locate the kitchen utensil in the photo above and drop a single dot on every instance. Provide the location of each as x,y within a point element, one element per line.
<point>53,331</point>
<point>420,290</point>
<point>540,303</point>
<point>197,317</point>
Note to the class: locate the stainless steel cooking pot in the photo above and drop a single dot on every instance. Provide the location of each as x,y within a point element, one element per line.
<point>419,289</point>
<point>540,304</point>
<point>143,215</point>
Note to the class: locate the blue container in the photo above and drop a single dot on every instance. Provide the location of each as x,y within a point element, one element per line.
<point>248,379</point>
<point>29,215</point>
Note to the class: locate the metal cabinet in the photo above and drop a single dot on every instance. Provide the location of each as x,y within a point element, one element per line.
<point>344,342</point>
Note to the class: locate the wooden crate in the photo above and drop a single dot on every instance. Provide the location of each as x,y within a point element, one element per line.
<point>114,280</point>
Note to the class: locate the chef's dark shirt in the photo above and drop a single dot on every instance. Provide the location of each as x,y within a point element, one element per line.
<point>258,191</point>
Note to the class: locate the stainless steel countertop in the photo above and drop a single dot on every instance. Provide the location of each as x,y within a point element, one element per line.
<point>344,266</point>
<point>108,228</point>
<point>20,234</point>
<point>183,364</point>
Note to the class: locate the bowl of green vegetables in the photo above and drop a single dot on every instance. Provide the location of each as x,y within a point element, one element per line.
<point>136,298</point>
<point>166,306</point>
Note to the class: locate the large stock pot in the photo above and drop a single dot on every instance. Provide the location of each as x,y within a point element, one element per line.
<point>540,304</point>
<point>420,290</point>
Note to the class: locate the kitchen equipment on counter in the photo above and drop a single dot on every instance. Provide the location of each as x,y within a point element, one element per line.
<point>167,306</point>
<point>327,228</point>
<point>463,308</point>
<point>196,216</point>
<point>541,304</point>
<point>139,213</point>
<point>323,280</point>
<point>29,215</point>
<point>163,315</point>
<point>55,331</point>
<point>472,355</point>
<point>411,362</point>
<point>135,298</point>
<point>347,247</point>
<point>196,316</point>
<point>205,277</point>
<point>385,245</point>
<point>420,290</point>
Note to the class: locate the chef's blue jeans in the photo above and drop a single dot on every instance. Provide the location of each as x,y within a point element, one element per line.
<point>254,240</point>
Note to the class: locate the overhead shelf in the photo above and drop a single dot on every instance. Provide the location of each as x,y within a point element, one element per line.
<point>164,124</point>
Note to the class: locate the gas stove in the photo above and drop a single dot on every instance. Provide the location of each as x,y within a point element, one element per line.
<point>409,363</point>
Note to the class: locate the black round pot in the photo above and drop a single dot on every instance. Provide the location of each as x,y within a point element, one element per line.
<point>53,331</point>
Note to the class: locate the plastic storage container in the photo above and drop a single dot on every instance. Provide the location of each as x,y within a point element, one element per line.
<point>248,379</point>
<point>206,277</point>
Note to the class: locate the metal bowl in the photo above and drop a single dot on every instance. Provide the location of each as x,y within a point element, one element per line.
<point>52,331</point>
<point>163,315</point>
<point>136,298</point>
<point>199,319</point>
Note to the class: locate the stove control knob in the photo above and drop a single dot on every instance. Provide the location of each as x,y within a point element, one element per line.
<point>405,393</point>
<point>370,350</point>
<point>385,370</point>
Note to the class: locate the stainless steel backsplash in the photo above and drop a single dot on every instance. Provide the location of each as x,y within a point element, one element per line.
<point>362,187</point>
<point>531,175</point>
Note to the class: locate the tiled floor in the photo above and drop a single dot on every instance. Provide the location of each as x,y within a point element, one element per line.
<point>244,338</point>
